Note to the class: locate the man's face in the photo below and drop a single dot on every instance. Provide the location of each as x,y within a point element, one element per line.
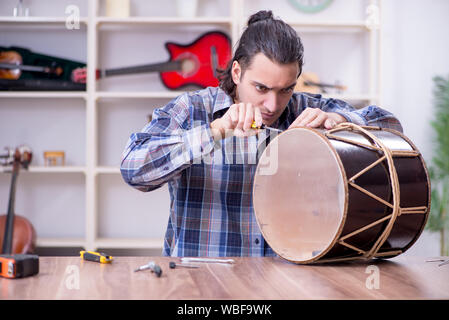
<point>265,84</point>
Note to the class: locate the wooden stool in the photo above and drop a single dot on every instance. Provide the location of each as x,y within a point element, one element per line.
<point>51,158</point>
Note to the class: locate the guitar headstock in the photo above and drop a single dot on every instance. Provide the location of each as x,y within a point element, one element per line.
<point>25,155</point>
<point>79,75</point>
<point>20,156</point>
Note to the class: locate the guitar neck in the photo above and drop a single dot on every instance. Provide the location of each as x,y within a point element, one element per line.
<point>154,67</point>
<point>24,67</point>
<point>9,225</point>
<point>323,85</point>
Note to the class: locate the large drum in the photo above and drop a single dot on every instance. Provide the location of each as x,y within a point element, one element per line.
<point>344,194</point>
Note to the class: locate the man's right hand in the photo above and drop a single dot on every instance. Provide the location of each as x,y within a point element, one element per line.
<point>238,120</point>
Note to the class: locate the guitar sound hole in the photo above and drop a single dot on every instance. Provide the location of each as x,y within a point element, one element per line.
<point>189,64</point>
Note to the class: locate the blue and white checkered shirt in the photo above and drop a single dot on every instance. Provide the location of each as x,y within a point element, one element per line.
<point>210,183</point>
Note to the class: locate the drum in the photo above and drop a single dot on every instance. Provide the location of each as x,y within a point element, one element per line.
<point>343,194</point>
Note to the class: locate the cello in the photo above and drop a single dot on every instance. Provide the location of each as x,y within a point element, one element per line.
<point>17,234</point>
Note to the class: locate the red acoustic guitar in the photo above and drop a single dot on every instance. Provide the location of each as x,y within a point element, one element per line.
<point>192,64</point>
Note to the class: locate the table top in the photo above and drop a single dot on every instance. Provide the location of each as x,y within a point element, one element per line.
<point>403,277</point>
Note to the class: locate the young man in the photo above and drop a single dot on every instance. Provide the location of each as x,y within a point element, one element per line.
<point>203,146</point>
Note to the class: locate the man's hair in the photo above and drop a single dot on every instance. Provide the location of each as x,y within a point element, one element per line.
<point>273,37</point>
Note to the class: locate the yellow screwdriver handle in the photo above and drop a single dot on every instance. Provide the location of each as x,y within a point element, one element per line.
<point>254,126</point>
<point>95,256</point>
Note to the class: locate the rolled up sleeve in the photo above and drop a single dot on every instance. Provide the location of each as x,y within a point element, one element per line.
<point>165,147</point>
<point>368,116</point>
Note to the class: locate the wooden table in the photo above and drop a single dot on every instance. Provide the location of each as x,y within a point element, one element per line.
<point>404,277</point>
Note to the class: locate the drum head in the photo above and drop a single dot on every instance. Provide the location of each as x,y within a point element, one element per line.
<point>299,195</point>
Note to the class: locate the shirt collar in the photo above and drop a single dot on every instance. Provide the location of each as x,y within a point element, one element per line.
<point>222,103</point>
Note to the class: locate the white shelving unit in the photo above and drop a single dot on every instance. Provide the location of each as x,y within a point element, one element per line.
<point>94,96</point>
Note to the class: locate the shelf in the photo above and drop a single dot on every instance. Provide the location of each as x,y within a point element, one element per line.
<point>43,94</point>
<point>176,20</point>
<point>64,169</point>
<point>329,24</point>
<point>350,96</point>
<point>43,169</point>
<point>118,243</point>
<point>60,242</point>
<point>58,169</point>
<point>126,243</point>
<point>37,20</point>
<point>98,94</point>
<point>139,95</point>
<point>107,170</point>
<point>164,20</point>
<point>174,94</point>
<point>144,95</point>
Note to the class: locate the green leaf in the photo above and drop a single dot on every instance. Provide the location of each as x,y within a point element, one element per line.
<point>434,222</point>
<point>439,168</point>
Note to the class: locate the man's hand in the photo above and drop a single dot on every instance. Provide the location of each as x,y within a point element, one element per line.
<point>238,120</point>
<point>317,118</point>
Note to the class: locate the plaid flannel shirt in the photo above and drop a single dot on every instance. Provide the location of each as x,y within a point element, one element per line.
<point>210,183</point>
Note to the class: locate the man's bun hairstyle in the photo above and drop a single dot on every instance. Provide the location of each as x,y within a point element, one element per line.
<point>268,35</point>
<point>260,16</point>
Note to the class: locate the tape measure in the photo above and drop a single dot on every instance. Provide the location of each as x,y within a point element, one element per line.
<point>96,256</point>
<point>18,265</point>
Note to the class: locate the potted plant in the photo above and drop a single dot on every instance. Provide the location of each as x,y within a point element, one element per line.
<point>439,168</point>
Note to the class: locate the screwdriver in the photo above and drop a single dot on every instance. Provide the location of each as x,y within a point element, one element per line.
<point>188,259</point>
<point>95,256</point>
<point>151,265</point>
<point>254,126</point>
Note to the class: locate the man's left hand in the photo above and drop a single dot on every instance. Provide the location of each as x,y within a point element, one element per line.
<point>317,118</point>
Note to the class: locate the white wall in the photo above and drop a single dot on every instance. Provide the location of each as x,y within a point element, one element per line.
<point>415,49</point>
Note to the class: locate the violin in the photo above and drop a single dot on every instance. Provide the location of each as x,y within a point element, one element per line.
<point>17,234</point>
<point>11,66</point>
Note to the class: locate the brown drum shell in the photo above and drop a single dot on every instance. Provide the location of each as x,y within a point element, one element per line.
<point>359,209</point>
<point>362,210</point>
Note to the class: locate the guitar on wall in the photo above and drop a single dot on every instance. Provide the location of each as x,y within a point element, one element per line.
<point>192,64</point>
